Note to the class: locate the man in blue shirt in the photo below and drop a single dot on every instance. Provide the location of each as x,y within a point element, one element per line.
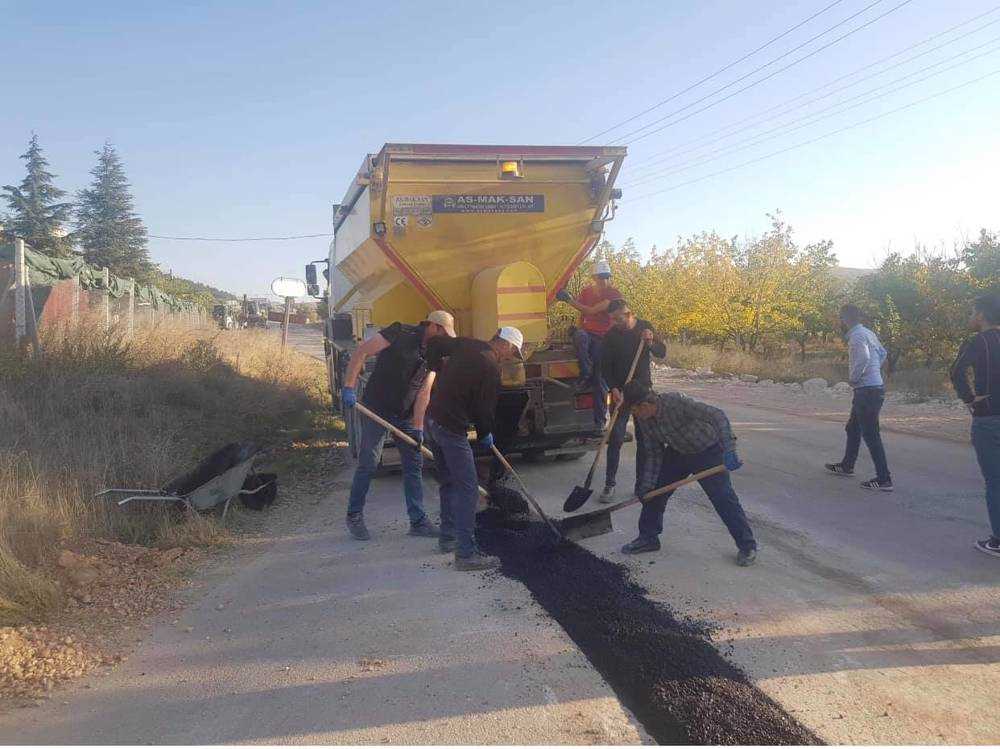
<point>865,356</point>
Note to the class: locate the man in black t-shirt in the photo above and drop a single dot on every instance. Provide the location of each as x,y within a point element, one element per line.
<point>398,390</point>
<point>617,353</point>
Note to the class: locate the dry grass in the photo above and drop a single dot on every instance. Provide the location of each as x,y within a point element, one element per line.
<point>101,410</point>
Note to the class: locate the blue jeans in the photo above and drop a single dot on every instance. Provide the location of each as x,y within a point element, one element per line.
<point>456,469</point>
<point>588,354</point>
<point>369,455</point>
<point>986,440</point>
<point>615,442</point>
<point>719,489</point>
<point>863,422</point>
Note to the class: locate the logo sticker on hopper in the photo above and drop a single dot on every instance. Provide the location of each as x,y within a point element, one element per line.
<point>411,205</point>
<point>488,203</point>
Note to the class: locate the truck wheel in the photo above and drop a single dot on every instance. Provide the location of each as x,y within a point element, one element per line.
<point>567,457</point>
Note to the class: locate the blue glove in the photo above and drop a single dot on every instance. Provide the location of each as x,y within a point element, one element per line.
<point>732,461</point>
<point>487,441</point>
<point>563,296</point>
<point>348,398</point>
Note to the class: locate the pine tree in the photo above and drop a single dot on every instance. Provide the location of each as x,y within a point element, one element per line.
<point>109,231</point>
<point>37,215</point>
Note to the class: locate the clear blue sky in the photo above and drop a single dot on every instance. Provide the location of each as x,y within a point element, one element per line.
<point>249,118</point>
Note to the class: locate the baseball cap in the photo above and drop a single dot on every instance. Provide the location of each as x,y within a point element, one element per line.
<point>602,268</point>
<point>444,319</point>
<point>513,336</point>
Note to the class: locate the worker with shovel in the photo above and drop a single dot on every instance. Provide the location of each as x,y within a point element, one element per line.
<point>681,436</point>
<point>398,391</point>
<point>465,393</point>
<point>619,349</point>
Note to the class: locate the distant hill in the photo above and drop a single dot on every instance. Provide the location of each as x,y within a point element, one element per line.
<point>851,274</point>
<point>195,291</point>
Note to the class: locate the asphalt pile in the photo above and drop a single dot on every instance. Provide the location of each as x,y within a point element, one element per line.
<point>664,669</point>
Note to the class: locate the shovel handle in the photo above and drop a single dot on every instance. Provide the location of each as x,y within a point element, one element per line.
<point>527,494</point>
<point>614,414</point>
<point>668,488</point>
<point>400,434</point>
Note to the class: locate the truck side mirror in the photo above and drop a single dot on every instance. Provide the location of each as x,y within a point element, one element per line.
<point>312,285</point>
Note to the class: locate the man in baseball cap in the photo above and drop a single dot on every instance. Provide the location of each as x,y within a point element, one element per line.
<point>442,319</point>
<point>595,322</point>
<point>465,392</point>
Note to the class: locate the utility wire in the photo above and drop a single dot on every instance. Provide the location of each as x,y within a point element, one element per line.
<point>706,139</point>
<point>782,69</point>
<point>718,72</point>
<point>785,128</point>
<point>239,239</point>
<point>818,138</point>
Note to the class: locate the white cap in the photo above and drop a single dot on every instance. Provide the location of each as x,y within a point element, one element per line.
<point>601,268</point>
<point>444,319</point>
<point>513,336</point>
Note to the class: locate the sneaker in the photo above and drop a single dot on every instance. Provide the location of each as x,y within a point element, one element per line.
<point>476,561</point>
<point>446,545</point>
<point>990,546</point>
<point>607,496</point>
<point>877,486</point>
<point>356,526</point>
<point>641,546</point>
<point>582,383</point>
<point>839,469</point>
<point>746,557</point>
<point>424,528</point>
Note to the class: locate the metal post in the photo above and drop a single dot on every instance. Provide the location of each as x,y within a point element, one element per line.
<point>131,309</point>
<point>107,299</point>
<point>74,307</point>
<point>20,297</point>
<point>284,325</point>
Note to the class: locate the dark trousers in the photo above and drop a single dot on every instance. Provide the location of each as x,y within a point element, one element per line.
<point>719,489</point>
<point>588,354</point>
<point>986,440</point>
<point>863,423</point>
<point>615,442</point>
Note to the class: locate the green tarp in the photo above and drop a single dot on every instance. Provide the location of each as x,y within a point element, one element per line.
<point>44,270</point>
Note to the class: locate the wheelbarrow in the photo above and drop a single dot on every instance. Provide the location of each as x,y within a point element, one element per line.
<point>218,479</point>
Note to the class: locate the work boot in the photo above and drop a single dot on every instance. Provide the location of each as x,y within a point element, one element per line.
<point>641,545</point>
<point>476,561</point>
<point>746,557</point>
<point>840,469</point>
<point>990,546</point>
<point>607,496</point>
<point>446,544</point>
<point>877,486</point>
<point>356,526</point>
<point>424,528</point>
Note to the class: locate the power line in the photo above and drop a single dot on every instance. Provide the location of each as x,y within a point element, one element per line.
<point>785,129</point>
<point>718,72</point>
<point>671,153</point>
<point>818,138</point>
<point>239,239</point>
<point>815,52</point>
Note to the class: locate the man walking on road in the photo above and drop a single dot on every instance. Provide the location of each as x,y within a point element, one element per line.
<point>465,393</point>
<point>982,354</point>
<point>865,356</point>
<point>398,391</point>
<point>594,324</point>
<point>618,351</point>
<point>681,436</point>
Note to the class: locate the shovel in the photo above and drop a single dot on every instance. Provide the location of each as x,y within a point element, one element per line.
<point>527,494</point>
<point>598,522</point>
<point>401,435</point>
<point>580,494</point>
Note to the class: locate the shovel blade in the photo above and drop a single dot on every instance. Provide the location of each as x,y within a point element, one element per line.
<point>577,498</point>
<point>579,527</point>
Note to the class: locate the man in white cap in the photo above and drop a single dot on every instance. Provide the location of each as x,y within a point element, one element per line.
<point>465,393</point>
<point>595,322</point>
<point>398,390</point>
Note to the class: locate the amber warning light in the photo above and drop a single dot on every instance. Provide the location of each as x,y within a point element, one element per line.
<point>510,169</point>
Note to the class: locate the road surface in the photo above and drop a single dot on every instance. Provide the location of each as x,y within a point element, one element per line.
<point>869,616</point>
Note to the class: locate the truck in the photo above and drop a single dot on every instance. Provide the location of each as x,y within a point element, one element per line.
<point>491,234</point>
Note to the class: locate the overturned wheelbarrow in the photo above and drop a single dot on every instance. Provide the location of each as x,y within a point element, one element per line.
<point>218,479</point>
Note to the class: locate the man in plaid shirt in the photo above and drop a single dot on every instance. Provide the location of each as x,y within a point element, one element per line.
<point>681,436</point>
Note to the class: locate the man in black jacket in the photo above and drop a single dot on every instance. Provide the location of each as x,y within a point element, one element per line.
<point>617,353</point>
<point>981,353</point>
<point>465,392</point>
